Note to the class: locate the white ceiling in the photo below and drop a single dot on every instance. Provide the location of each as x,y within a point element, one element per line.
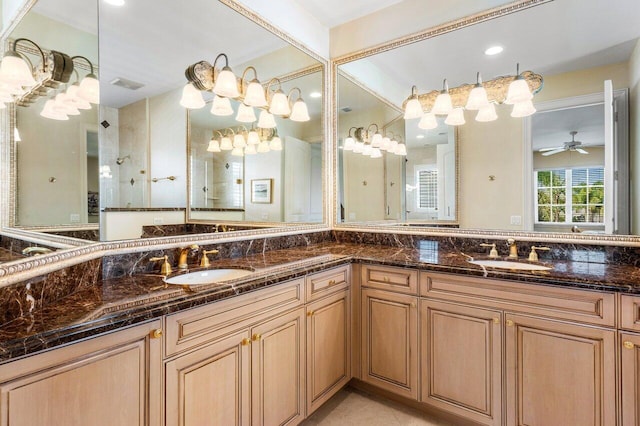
<point>331,13</point>
<point>551,128</point>
<point>80,14</point>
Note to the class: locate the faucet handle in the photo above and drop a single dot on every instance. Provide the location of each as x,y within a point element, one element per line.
<point>165,269</point>
<point>493,253</point>
<point>533,256</point>
<point>205,262</point>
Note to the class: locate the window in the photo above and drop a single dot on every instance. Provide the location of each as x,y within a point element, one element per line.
<point>427,182</point>
<point>570,195</point>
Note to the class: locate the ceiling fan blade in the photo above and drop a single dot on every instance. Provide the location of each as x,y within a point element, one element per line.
<point>581,151</point>
<point>550,149</point>
<point>555,151</point>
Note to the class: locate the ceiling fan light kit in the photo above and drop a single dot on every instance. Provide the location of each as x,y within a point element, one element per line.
<point>570,146</point>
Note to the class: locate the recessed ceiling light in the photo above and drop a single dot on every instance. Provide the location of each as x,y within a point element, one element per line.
<point>420,137</point>
<point>315,94</point>
<point>115,2</point>
<point>493,50</point>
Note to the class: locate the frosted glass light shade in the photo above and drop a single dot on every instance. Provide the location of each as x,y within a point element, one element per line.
<point>226,84</point>
<point>393,145</point>
<point>49,111</point>
<point>255,95</point>
<point>428,121</point>
<point>264,147</point>
<point>366,149</point>
<point>455,117</point>
<point>266,120</point>
<point>89,89</point>
<point>443,105</point>
<point>275,144</point>
<point>413,109</point>
<point>487,113</point>
<point>518,92</point>
<point>477,99</point>
<point>376,140</point>
<point>376,153</point>
<point>221,106</point>
<point>358,147</point>
<point>245,114</point>
<point>239,142</point>
<point>15,71</point>
<point>191,97</point>
<point>250,150</point>
<point>401,149</point>
<point>253,138</point>
<point>226,144</point>
<point>349,144</point>
<point>72,93</point>
<point>299,111</point>
<point>279,104</point>
<point>64,104</point>
<point>523,109</point>
<point>384,145</point>
<point>214,146</point>
<point>237,152</point>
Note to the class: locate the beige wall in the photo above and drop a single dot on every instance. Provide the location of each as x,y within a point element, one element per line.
<point>634,137</point>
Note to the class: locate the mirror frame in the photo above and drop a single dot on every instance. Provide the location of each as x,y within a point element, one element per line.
<point>470,20</point>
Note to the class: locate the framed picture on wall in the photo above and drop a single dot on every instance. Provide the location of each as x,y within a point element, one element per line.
<point>261,191</point>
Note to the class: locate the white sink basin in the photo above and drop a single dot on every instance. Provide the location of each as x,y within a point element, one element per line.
<point>210,276</point>
<point>507,264</point>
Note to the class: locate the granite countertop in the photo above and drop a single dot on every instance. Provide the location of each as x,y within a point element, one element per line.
<point>116,303</point>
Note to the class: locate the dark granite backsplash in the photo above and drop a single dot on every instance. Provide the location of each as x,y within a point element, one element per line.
<point>16,245</point>
<point>19,299</point>
<point>152,231</point>
<point>591,253</point>
<point>83,234</point>
<point>135,263</point>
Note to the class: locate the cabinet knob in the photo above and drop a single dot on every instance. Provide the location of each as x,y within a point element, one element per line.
<point>156,334</point>
<point>509,323</point>
<point>386,279</point>
<point>332,282</point>
<point>496,320</point>
<point>310,313</point>
<point>256,336</point>
<point>245,341</point>
<point>629,345</point>
<point>413,304</point>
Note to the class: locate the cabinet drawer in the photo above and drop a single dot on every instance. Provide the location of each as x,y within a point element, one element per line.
<point>323,283</point>
<point>630,312</point>
<point>563,303</point>
<point>400,280</point>
<point>188,329</point>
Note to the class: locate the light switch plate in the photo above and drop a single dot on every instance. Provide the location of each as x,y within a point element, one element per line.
<point>516,220</point>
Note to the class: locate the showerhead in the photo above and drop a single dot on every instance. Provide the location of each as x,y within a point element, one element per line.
<point>120,160</point>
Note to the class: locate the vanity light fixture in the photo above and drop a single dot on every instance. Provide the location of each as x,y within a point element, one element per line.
<point>15,72</point>
<point>214,144</point>
<point>299,111</point>
<point>220,106</point>
<point>237,152</point>
<point>516,90</point>
<point>225,143</point>
<point>413,109</point>
<point>225,84</point>
<point>250,150</point>
<point>238,141</point>
<point>370,142</point>
<point>89,89</point>
<point>253,138</point>
<point>279,103</point>
<point>443,105</point>
<point>349,142</point>
<point>191,97</point>
<point>266,120</point>
<point>376,139</point>
<point>276,143</point>
<point>53,112</point>
<point>263,146</point>
<point>386,142</point>
<point>252,92</point>
<point>245,114</point>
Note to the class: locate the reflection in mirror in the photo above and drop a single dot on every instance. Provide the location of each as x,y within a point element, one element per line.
<point>55,139</point>
<point>145,168</point>
<point>289,156</point>
<point>414,186</point>
<point>509,177</point>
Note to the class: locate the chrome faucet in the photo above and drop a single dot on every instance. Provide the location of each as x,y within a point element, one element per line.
<point>513,248</point>
<point>32,251</point>
<point>184,253</point>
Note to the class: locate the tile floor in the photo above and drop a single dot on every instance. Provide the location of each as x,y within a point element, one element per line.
<point>351,407</point>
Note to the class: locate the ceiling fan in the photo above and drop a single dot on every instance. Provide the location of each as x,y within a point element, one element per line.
<point>573,145</point>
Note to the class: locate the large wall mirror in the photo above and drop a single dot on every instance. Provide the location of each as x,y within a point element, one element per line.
<point>123,166</point>
<point>568,167</point>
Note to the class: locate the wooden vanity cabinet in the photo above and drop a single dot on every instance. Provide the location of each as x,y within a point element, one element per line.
<point>114,379</point>
<point>461,360</point>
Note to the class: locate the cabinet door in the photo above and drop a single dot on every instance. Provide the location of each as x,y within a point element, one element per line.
<point>108,380</point>
<point>277,370</point>
<point>630,369</point>
<point>328,348</point>
<point>210,386</point>
<point>390,341</point>
<point>461,360</point>
<point>559,373</point>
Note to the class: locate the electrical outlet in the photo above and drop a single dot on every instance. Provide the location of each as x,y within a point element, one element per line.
<point>74,218</point>
<point>516,220</point>
<point>158,221</point>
